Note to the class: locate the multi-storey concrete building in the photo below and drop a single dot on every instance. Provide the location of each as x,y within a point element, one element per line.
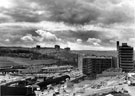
<point>125,57</point>
<point>94,65</point>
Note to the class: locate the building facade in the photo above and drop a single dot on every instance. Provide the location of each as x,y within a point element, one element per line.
<point>125,57</point>
<point>57,69</point>
<point>95,65</point>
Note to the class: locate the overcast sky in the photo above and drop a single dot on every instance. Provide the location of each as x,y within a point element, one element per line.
<point>79,24</point>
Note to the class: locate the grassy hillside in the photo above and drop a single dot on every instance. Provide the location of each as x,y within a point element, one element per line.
<point>4,62</point>
<point>14,61</point>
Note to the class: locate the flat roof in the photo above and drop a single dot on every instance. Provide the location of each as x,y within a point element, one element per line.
<point>56,67</point>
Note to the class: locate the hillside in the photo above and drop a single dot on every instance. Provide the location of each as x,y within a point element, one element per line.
<point>97,53</point>
<point>5,62</point>
<point>14,61</point>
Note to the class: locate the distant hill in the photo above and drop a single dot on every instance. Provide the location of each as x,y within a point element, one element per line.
<point>65,56</point>
<point>98,53</point>
<point>14,61</point>
<point>14,56</point>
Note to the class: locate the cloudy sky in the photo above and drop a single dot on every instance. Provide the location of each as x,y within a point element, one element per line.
<point>79,24</point>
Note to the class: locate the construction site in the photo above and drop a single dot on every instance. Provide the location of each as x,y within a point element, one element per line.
<point>68,85</point>
<point>121,85</point>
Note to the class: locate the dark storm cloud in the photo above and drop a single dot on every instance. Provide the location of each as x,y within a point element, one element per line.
<point>72,11</point>
<point>86,11</point>
<point>18,30</point>
<point>12,34</point>
<point>21,15</point>
<point>25,35</point>
<point>25,14</point>
<point>5,18</point>
<point>73,35</point>
<point>80,22</point>
<point>24,11</point>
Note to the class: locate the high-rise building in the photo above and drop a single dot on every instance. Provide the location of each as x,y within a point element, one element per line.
<point>125,57</point>
<point>94,65</point>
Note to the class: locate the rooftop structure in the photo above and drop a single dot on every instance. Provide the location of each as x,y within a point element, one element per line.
<point>38,46</point>
<point>57,47</point>
<point>67,49</point>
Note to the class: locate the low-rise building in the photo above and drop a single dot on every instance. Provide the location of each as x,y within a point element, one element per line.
<point>57,69</point>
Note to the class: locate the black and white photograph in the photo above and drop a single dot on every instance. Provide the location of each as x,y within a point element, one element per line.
<point>67,47</point>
